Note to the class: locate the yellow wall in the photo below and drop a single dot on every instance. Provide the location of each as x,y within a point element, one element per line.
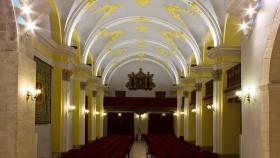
<point>232,34</point>
<point>192,128</point>
<point>77,113</point>
<point>57,109</point>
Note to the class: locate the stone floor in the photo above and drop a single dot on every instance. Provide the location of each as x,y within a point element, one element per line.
<point>138,150</point>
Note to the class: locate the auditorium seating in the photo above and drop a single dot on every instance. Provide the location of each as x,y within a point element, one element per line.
<point>113,146</point>
<point>169,146</point>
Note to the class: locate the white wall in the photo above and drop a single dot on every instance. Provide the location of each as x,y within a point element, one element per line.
<point>44,149</point>
<point>253,49</point>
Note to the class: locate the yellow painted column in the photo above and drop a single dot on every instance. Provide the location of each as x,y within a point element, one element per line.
<point>186,116</point>
<point>90,94</point>
<point>57,111</point>
<point>98,115</point>
<point>198,114</point>
<point>77,113</point>
<point>218,105</point>
<point>178,118</point>
<point>192,121</point>
<point>207,123</point>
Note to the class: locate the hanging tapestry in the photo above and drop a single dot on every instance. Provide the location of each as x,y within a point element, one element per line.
<point>140,81</point>
<point>43,101</point>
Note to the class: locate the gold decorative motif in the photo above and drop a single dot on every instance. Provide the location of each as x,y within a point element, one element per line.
<point>141,44</point>
<point>143,2</point>
<point>160,50</point>
<point>117,51</point>
<point>115,34</point>
<point>90,3</point>
<point>107,10</point>
<point>142,19</point>
<point>176,11</point>
<point>140,81</point>
<point>141,56</point>
<point>142,28</point>
<point>194,6</point>
<point>170,34</point>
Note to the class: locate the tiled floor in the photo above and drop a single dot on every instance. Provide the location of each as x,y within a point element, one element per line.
<point>138,150</point>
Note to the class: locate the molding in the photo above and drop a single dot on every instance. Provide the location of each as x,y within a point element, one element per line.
<point>54,47</point>
<point>202,68</point>
<point>224,50</point>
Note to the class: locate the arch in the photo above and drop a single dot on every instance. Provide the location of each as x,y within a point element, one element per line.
<point>101,57</point>
<point>55,22</point>
<point>270,91</point>
<point>105,80</point>
<point>190,40</point>
<point>210,21</point>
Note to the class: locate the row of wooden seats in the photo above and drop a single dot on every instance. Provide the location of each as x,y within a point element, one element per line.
<point>169,146</point>
<point>113,146</point>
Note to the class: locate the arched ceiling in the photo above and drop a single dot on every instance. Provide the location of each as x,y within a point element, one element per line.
<point>166,32</point>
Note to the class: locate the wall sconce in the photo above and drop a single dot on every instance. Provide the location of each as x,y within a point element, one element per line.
<point>143,116</point>
<point>175,114</point>
<point>163,114</point>
<point>210,107</point>
<point>244,96</point>
<point>86,111</point>
<point>137,116</point>
<point>182,113</point>
<point>33,94</point>
<point>71,108</point>
<point>104,114</point>
<point>120,114</point>
<point>193,110</point>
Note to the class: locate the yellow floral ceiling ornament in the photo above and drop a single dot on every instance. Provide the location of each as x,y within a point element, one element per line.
<point>169,35</point>
<point>142,28</point>
<point>115,34</point>
<point>120,51</point>
<point>142,19</point>
<point>194,6</point>
<point>160,50</point>
<point>143,2</point>
<point>90,3</point>
<point>141,56</point>
<point>107,10</point>
<point>141,44</point>
<point>176,11</point>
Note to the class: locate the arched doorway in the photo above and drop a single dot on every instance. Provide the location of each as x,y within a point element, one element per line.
<point>270,91</point>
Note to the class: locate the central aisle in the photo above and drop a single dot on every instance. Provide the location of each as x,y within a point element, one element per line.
<point>138,150</point>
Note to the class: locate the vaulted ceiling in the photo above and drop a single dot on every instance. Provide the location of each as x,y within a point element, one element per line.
<point>168,33</point>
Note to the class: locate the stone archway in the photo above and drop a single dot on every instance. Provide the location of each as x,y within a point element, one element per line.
<point>270,91</point>
<point>17,72</point>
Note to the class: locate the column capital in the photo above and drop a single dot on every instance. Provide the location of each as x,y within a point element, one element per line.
<point>66,74</point>
<point>83,85</point>
<point>94,93</point>
<point>198,86</point>
<point>186,94</point>
<point>217,74</point>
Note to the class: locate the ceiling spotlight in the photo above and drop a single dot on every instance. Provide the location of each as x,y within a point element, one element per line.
<point>31,25</point>
<point>244,26</point>
<point>250,11</point>
<point>26,9</point>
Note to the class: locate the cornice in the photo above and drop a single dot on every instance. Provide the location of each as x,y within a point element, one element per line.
<point>202,68</point>
<point>54,47</point>
<point>224,50</point>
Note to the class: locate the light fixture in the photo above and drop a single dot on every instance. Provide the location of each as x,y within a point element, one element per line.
<point>71,108</point>
<point>143,116</point>
<point>182,113</point>
<point>194,110</point>
<point>244,26</point>
<point>104,114</point>
<point>120,114</point>
<point>163,114</point>
<point>137,116</point>
<point>175,113</point>
<point>244,95</point>
<point>26,9</point>
<point>86,111</point>
<point>32,94</point>
<point>97,113</point>
<point>210,107</point>
<point>250,11</point>
<point>31,26</point>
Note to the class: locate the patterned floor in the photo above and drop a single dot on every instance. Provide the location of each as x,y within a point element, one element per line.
<point>138,150</point>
